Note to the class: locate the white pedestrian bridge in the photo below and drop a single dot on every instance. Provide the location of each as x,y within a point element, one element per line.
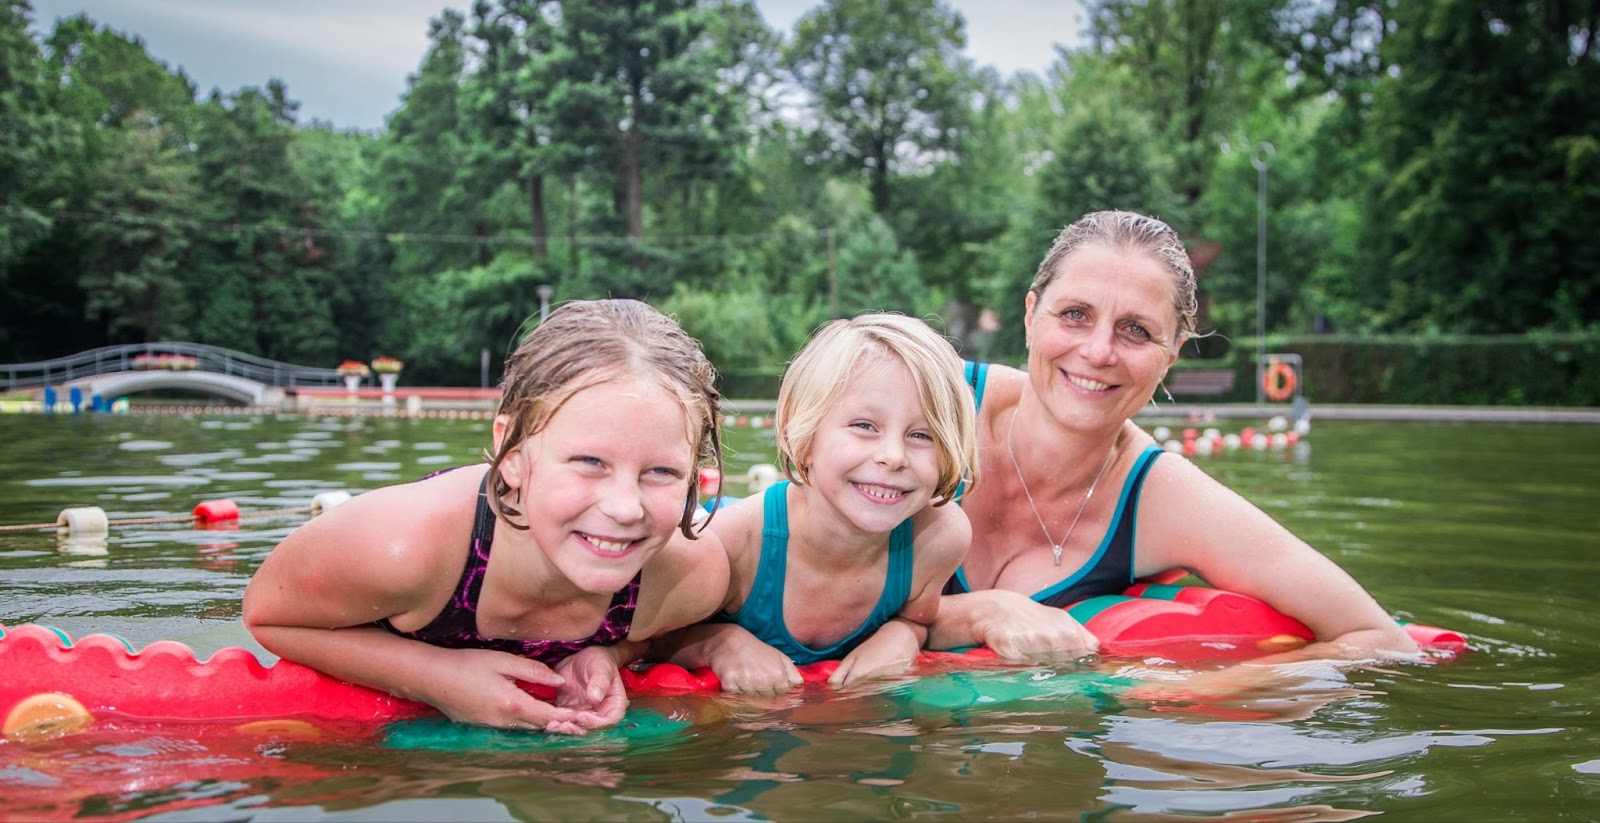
<point>116,371</point>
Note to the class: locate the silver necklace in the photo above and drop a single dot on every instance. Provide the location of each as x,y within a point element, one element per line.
<point>1055,547</point>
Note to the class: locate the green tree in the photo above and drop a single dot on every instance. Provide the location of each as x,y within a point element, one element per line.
<point>885,78</point>
<point>1489,143</point>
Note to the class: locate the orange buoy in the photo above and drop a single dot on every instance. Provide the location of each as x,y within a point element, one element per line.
<point>1278,381</point>
<point>46,716</point>
<point>216,511</point>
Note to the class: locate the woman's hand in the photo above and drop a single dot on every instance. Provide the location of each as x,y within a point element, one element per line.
<point>1012,625</point>
<point>889,651</point>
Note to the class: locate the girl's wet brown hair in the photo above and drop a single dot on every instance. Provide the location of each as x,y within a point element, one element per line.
<point>588,342</point>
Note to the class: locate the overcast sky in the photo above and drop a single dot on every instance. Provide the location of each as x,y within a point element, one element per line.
<point>346,61</point>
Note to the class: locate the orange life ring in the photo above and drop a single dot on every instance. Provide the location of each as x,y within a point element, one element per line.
<point>1277,382</point>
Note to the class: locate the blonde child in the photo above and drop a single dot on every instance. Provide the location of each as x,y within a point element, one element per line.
<point>875,432</point>
<point>607,409</point>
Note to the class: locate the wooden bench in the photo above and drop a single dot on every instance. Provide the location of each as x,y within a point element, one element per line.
<point>1208,382</point>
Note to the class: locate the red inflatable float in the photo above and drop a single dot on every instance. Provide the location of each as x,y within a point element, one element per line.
<point>48,681</point>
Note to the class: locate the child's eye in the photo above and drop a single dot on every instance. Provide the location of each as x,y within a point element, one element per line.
<point>666,472</point>
<point>921,435</point>
<point>863,425</point>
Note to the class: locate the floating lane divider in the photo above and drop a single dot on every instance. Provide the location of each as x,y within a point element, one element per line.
<point>52,685</point>
<point>222,513</point>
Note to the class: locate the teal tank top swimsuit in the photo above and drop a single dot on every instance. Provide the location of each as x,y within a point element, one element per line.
<point>762,612</point>
<point>1110,570</point>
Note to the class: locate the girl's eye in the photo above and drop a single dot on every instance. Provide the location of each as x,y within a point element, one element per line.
<point>922,436</point>
<point>863,425</point>
<point>666,472</point>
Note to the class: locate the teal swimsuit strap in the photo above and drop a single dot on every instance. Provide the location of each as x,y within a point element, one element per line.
<point>762,611</point>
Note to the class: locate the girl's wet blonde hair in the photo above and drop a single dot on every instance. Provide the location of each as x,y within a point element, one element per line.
<point>588,342</point>
<point>842,349</point>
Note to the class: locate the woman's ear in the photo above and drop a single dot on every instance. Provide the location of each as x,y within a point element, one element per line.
<point>1027,318</point>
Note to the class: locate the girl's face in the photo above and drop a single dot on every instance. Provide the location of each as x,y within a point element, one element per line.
<point>873,458</point>
<point>1102,335</point>
<point>604,484</point>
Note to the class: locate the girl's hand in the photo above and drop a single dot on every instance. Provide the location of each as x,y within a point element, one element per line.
<point>593,686</point>
<point>745,664</point>
<point>889,651</point>
<point>482,689</point>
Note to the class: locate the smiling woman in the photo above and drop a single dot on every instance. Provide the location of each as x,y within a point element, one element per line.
<point>1105,317</point>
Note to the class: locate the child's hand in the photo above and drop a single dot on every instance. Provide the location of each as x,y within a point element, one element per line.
<point>745,664</point>
<point>593,686</point>
<point>481,689</point>
<point>889,651</point>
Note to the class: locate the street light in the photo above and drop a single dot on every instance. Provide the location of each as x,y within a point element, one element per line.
<point>1261,158</point>
<point>544,290</point>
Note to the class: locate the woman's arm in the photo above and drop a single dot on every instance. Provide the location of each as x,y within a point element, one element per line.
<point>1189,520</point>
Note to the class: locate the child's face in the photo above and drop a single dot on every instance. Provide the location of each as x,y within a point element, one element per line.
<point>604,483</point>
<point>873,457</point>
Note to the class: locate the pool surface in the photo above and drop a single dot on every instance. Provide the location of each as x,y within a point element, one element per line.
<point>1489,529</point>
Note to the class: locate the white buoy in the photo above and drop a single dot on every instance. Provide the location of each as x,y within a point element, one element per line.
<point>760,476</point>
<point>1302,426</point>
<point>1161,433</point>
<point>1230,440</point>
<point>1280,440</point>
<point>327,500</point>
<point>1260,442</point>
<point>1173,446</point>
<point>1278,423</point>
<point>1212,433</point>
<point>83,521</point>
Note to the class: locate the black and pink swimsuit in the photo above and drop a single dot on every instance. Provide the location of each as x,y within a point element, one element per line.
<point>456,627</point>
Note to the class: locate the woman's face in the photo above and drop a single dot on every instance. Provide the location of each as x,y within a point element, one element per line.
<point>1102,335</point>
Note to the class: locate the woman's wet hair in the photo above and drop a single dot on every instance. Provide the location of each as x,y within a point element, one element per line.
<point>842,349</point>
<point>588,342</point>
<point>1129,231</point>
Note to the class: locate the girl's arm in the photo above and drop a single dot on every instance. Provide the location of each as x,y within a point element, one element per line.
<point>394,553</point>
<point>942,537</point>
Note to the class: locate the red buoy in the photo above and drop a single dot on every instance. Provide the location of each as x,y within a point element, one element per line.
<point>216,511</point>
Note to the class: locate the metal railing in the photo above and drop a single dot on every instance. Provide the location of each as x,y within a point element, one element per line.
<point>213,359</point>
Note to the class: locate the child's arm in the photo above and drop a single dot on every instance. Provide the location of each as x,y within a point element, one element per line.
<point>943,535</point>
<point>382,555</point>
<point>740,659</point>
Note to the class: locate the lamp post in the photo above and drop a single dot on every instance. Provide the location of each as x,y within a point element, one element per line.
<point>1261,158</point>
<point>544,290</point>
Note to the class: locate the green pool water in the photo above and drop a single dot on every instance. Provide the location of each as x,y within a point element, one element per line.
<point>1484,528</point>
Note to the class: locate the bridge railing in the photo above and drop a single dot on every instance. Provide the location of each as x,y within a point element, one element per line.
<point>110,359</point>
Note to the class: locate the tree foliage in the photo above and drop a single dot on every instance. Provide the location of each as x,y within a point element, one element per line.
<point>1434,170</point>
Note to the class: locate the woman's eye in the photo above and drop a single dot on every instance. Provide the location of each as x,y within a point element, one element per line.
<point>1138,331</point>
<point>1074,315</point>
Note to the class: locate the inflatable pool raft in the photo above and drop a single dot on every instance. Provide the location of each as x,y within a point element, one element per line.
<point>51,684</point>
